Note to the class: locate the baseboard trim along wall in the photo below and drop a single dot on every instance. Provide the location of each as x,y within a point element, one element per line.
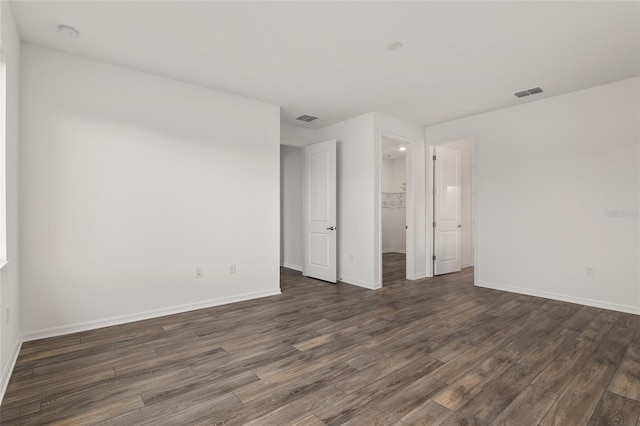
<point>107,322</point>
<point>392,250</point>
<point>291,266</point>
<point>362,284</point>
<point>6,374</point>
<point>563,298</point>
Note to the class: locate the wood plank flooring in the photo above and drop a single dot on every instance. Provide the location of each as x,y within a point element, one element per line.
<point>394,267</point>
<point>427,352</point>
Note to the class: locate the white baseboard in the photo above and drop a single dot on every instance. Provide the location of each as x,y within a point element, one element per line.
<point>562,297</point>
<point>392,250</point>
<point>294,267</point>
<point>419,276</point>
<point>362,284</point>
<point>107,322</point>
<point>6,374</point>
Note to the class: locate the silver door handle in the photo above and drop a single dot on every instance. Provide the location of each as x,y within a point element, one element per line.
<point>459,226</point>
<point>331,229</point>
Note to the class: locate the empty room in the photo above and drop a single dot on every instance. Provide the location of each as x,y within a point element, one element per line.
<point>319,213</point>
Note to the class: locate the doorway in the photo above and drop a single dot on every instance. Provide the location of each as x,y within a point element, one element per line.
<point>453,239</point>
<point>394,203</point>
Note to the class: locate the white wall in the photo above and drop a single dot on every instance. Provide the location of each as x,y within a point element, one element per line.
<point>416,205</point>
<point>9,275</point>
<point>548,172</point>
<point>297,135</point>
<point>359,230</point>
<point>398,174</point>
<point>393,217</point>
<point>467,160</point>
<point>386,175</point>
<point>129,181</point>
<point>291,227</point>
<point>356,198</point>
<point>292,139</point>
<point>393,174</point>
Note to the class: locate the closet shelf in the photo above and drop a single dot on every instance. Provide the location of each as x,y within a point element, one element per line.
<point>394,200</point>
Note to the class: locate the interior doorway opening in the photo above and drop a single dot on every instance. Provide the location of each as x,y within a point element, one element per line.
<point>395,202</point>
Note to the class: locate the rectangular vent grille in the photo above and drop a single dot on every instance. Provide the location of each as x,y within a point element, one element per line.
<point>307,118</point>
<point>528,92</point>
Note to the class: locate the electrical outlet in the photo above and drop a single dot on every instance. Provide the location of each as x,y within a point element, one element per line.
<point>588,271</point>
<point>232,268</point>
<point>198,272</point>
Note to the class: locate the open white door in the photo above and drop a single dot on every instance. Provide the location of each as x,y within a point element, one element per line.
<point>319,200</point>
<point>447,211</point>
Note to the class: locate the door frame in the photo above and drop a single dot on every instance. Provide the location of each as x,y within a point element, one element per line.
<point>475,197</point>
<point>409,211</point>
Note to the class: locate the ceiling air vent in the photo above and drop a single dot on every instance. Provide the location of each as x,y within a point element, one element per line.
<point>307,118</point>
<point>528,92</point>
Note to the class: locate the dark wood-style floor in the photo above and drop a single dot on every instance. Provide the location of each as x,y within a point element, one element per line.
<point>433,351</point>
<point>394,267</point>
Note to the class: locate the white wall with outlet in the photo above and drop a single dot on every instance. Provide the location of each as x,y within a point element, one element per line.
<point>291,227</point>
<point>131,181</point>
<point>552,177</point>
<point>9,275</point>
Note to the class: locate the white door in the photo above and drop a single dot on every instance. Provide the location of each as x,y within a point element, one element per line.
<point>447,211</point>
<point>319,200</point>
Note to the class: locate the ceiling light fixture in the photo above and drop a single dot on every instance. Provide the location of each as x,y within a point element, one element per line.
<point>403,148</point>
<point>68,31</point>
<point>395,45</point>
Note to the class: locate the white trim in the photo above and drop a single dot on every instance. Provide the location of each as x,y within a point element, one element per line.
<point>428,171</point>
<point>3,154</point>
<point>392,250</point>
<point>6,374</point>
<point>420,276</point>
<point>360,283</point>
<point>122,319</point>
<point>295,144</point>
<point>562,297</point>
<point>3,263</point>
<point>475,196</point>
<point>292,266</point>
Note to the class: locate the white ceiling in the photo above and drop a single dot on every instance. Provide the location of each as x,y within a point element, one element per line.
<point>329,58</point>
<point>391,149</point>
